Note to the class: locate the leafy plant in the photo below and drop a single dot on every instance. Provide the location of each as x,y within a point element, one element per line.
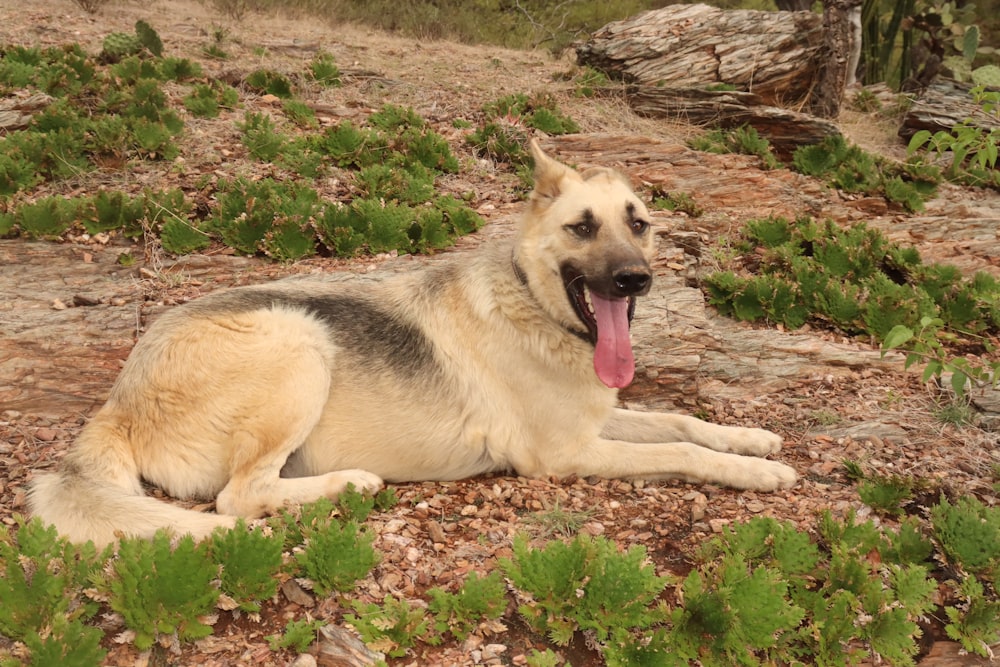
<point>973,150</point>
<point>886,493</point>
<point>266,216</point>
<point>539,111</point>
<point>478,599</point>
<point>205,100</point>
<point>584,585</point>
<point>969,534</point>
<point>41,584</point>
<point>336,555</point>
<point>859,281</point>
<point>265,81</point>
<point>324,70</point>
<point>976,622</point>
<point>159,590</point>
<point>744,140</point>
<point>249,561</point>
<point>392,628</point>
<point>298,635</point>
<point>675,201</point>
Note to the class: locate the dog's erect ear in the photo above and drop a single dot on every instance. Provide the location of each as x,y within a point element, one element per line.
<point>550,176</point>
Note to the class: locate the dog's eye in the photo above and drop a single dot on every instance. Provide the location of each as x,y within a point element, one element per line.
<point>639,226</point>
<point>582,229</point>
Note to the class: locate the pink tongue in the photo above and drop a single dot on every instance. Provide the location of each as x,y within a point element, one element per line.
<point>613,358</point>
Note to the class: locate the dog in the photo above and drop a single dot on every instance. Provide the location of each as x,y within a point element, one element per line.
<point>508,358</point>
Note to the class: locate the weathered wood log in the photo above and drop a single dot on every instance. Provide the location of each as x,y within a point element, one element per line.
<point>839,57</point>
<point>775,55</point>
<point>785,129</point>
<point>943,105</point>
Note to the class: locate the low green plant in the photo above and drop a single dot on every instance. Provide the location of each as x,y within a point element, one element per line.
<point>336,555</point>
<point>502,142</point>
<point>324,71</point>
<point>973,150</point>
<point>479,599</point>
<point>851,169</point>
<point>205,100</point>
<point>47,218</point>
<point>42,578</point>
<point>249,561</point>
<point>588,81</point>
<point>860,282</point>
<point>356,506</point>
<point>675,201</point>
<point>265,81</point>
<point>744,140</point>
<point>975,621</point>
<point>557,520</point>
<point>160,590</point>
<point>112,210</point>
<point>392,628</point>
<point>886,493</point>
<point>969,535</point>
<point>300,113</point>
<point>261,137</point>
<point>586,584</point>
<point>298,635</point>
<point>266,216</point>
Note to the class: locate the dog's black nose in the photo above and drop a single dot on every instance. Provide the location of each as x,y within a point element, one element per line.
<point>631,283</point>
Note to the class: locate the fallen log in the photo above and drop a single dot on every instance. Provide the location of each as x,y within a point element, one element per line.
<point>943,105</point>
<point>786,130</point>
<point>775,55</point>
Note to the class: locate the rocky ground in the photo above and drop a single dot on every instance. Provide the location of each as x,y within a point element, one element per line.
<point>70,313</point>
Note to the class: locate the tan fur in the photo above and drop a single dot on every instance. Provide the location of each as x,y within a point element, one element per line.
<point>285,393</point>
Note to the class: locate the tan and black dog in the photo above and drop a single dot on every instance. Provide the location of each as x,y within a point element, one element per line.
<point>508,359</point>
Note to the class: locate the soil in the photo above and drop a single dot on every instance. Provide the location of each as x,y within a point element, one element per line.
<point>70,313</point>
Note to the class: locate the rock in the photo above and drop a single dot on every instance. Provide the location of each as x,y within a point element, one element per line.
<point>338,647</point>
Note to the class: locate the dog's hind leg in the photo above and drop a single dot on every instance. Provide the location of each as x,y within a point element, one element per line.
<point>269,430</point>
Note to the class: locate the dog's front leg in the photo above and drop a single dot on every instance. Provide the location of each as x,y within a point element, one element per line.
<point>634,426</point>
<point>669,460</point>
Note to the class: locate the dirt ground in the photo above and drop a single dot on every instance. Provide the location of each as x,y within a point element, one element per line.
<point>69,314</point>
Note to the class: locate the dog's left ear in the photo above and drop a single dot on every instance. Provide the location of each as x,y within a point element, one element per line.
<point>550,176</point>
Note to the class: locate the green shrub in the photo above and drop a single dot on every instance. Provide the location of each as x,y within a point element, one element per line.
<point>969,534</point>
<point>744,140</point>
<point>265,81</point>
<point>324,70</point>
<point>42,577</point>
<point>392,628</point>
<point>585,584</point>
<point>857,280</point>
<point>107,211</point>
<point>976,622</point>
<point>266,216</point>
<point>205,99</point>
<point>480,598</point>
<point>159,590</point>
<point>249,561</point>
<point>336,555</point>
<point>300,113</point>
<point>298,636</point>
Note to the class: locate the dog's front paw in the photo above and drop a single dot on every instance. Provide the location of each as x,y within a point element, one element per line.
<point>362,480</point>
<point>764,475</point>
<point>753,441</point>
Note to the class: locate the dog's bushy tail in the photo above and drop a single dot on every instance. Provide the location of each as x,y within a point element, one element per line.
<point>97,495</point>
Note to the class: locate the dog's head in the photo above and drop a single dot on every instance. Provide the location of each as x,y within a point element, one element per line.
<point>585,248</point>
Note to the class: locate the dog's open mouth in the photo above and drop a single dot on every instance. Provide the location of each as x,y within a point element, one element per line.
<point>607,320</point>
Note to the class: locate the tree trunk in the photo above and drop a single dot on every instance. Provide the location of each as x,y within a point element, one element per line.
<point>840,20</point>
<point>774,55</point>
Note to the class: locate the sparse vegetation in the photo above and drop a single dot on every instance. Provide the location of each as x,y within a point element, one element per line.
<point>858,281</point>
